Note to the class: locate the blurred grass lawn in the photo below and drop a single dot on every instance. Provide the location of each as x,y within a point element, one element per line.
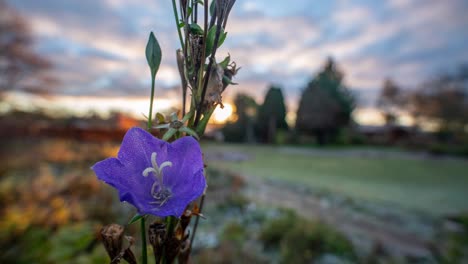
<point>435,186</point>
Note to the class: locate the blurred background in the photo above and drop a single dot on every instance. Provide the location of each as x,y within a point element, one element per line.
<point>345,141</point>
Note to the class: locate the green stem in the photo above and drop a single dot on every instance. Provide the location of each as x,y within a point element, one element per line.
<point>200,128</point>
<point>208,72</point>
<point>171,221</point>
<point>144,255</point>
<point>150,115</point>
<point>195,11</point>
<point>176,16</point>
<point>192,109</point>
<point>202,64</point>
<point>190,4</point>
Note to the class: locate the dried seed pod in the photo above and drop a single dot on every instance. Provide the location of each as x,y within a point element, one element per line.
<point>230,71</point>
<point>172,247</point>
<point>185,219</point>
<point>215,87</point>
<point>196,51</point>
<point>112,238</point>
<point>184,252</point>
<point>157,238</point>
<point>128,254</point>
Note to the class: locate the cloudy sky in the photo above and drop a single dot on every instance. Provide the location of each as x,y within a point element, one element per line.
<point>97,46</point>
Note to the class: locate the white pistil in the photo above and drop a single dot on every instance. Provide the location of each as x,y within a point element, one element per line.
<point>163,194</point>
<point>148,170</point>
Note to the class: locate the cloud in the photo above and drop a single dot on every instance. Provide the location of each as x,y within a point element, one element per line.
<point>98,46</point>
<point>406,41</point>
<point>351,17</point>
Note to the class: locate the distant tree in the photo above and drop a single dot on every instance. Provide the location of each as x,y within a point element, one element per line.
<point>326,104</point>
<point>271,115</point>
<point>390,101</point>
<point>242,129</point>
<point>20,67</point>
<point>443,100</point>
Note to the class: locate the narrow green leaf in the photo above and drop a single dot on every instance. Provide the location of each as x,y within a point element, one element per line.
<point>189,131</point>
<point>135,218</point>
<point>225,62</point>
<point>187,116</point>
<point>204,121</point>
<point>212,7</point>
<point>222,38</point>
<point>169,134</point>
<point>226,80</point>
<point>174,116</point>
<point>162,126</point>
<point>190,10</point>
<point>200,2</point>
<point>160,117</point>
<point>210,38</point>
<point>181,24</point>
<point>196,29</point>
<point>153,54</point>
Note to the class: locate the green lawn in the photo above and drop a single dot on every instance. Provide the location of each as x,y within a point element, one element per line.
<point>434,186</point>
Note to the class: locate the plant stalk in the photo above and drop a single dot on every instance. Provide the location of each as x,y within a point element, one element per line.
<point>176,16</point>
<point>202,201</point>
<point>150,115</point>
<point>144,255</point>
<point>208,70</point>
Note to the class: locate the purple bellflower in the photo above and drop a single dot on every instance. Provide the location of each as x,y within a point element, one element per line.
<point>157,177</point>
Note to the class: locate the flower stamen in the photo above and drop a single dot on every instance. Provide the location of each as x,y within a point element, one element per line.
<point>158,191</point>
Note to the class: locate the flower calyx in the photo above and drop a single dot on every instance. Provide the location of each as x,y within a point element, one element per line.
<point>176,125</point>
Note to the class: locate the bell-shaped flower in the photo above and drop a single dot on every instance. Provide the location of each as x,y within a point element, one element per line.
<point>157,177</point>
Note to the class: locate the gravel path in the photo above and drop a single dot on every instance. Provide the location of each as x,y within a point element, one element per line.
<point>366,232</point>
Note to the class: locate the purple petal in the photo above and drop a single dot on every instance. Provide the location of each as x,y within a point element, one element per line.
<point>126,181</point>
<point>186,157</point>
<point>193,188</point>
<point>137,147</point>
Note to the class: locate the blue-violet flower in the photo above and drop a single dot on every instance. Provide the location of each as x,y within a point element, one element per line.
<point>157,177</point>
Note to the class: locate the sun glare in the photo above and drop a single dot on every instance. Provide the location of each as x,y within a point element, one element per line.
<point>222,115</point>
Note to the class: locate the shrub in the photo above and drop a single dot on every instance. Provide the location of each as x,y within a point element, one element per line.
<point>302,241</point>
<point>234,232</point>
<point>274,231</point>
